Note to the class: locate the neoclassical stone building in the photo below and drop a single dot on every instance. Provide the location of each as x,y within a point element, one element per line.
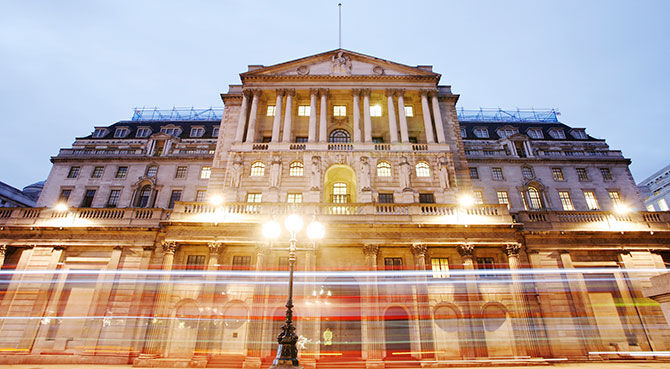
<point>451,235</point>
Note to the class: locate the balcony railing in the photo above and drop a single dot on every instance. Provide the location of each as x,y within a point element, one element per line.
<point>339,146</point>
<point>82,217</point>
<point>594,220</point>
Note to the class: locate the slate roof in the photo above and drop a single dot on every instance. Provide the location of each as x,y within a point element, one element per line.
<point>522,128</point>
<point>155,126</point>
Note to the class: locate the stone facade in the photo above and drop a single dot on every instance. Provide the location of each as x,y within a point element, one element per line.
<point>407,271</point>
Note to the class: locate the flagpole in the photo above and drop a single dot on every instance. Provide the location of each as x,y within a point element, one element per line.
<point>339,5</point>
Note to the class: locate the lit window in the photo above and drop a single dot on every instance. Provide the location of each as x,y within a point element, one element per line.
<point>464,134</point>
<point>340,195</point>
<point>534,197</point>
<point>383,169</point>
<point>97,172</point>
<point>650,207</point>
<point>557,133</point>
<point>270,111</point>
<point>557,173</point>
<point>304,110</point>
<point>143,132</point>
<point>197,131</point>
<point>152,170</point>
<point>195,262</point>
<point>241,262</point>
<point>409,111</point>
<point>566,201</point>
<point>535,133</point>
<point>481,132</point>
<point>385,198</point>
<point>606,173</point>
<point>121,132</point>
<point>578,134</point>
<point>376,111</point>
<point>662,205</point>
<point>527,172</point>
<point>200,195</point>
<point>113,199</point>
<point>503,198</point>
<point>294,198</point>
<point>215,132</point>
<point>497,174</point>
<point>254,197</point>
<point>174,197</point>
<point>296,169</point>
<point>474,173</point>
<point>340,110</point>
<point>73,173</point>
<point>615,197</point>
<point>181,172</point>
<point>479,197</point>
<point>591,201</point>
<point>205,172</point>
<point>257,169</point>
<point>582,175</point>
<point>422,169</point>
<point>440,267</point>
<point>98,133</point>
<point>121,172</point>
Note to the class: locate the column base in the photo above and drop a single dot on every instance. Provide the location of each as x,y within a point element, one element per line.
<point>374,364</point>
<point>251,363</point>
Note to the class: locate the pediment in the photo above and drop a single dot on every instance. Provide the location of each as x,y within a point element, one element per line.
<point>340,63</point>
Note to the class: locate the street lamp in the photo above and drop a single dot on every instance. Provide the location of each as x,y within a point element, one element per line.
<point>287,352</point>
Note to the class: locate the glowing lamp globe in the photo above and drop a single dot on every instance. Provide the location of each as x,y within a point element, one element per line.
<point>315,230</point>
<point>61,207</point>
<point>271,230</point>
<point>216,200</point>
<point>294,223</point>
<point>621,209</point>
<point>466,201</point>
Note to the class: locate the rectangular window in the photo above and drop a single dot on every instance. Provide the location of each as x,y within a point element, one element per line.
<point>527,172</point>
<point>591,201</point>
<point>121,132</point>
<point>393,263</point>
<point>486,263</point>
<point>474,173</point>
<point>73,173</point>
<point>582,175</point>
<point>174,197</point>
<point>121,172</point>
<point>376,111</point>
<point>254,197</point>
<point>377,140</point>
<point>497,174</point>
<point>142,132</point>
<point>662,205</point>
<point>87,201</point>
<point>241,262</point>
<point>503,198</point>
<point>566,201</point>
<point>200,195</point>
<point>607,175</point>
<point>271,111</point>
<point>304,110</point>
<point>413,140</point>
<point>650,207</point>
<point>615,197</point>
<point>426,198</point>
<point>64,195</point>
<point>215,132</point>
<point>113,200</point>
<point>440,267</point>
<point>385,198</point>
<point>181,172</point>
<point>340,111</point>
<point>294,198</point>
<point>205,172</point>
<point>195,262</point>
<point>479,197</point>
<point>97,172</point>
<point>301,139</point>
<point>266,139</point>
<point>197,132</point>
<point>409,111</point>
<point>557,173</point>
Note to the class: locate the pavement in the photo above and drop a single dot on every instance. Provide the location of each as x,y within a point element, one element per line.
<point>592,365</point>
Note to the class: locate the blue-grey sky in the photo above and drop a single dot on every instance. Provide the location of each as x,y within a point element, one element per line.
<point>67,66</point>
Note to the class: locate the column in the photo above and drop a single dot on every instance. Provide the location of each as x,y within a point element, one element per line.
<point>255,340</point>
<point>373,329</point>
<point>3,250</point>
<point>427,123</point>
<point>276,122</point>
<point>425,319</point>
<point>312,115</point>
<point>323,121</point>
<point>156,335</point>
<point>242,120</point>
<point>207,329</point>
<point>357,115</point>
<point>404,136</point>
<point>439,126</point>
<point>475,342</point>
<point>367,122</point>
<point>288,116</point>
<point>393,126</point>
<point>527,344</point>
<point>253,114</point>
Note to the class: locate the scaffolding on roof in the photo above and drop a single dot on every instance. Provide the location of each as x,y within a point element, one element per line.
<point>502,115</point>
<point>155,114</point>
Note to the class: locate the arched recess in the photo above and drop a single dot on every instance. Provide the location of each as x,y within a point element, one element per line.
<point>397,333</point>
<point>183,329</point>
<point>449,331</point>
<point>145,193</point>
<point>235,322</point>
<point>337,174</point>
<point>534,195</point>
<point>497,330</point>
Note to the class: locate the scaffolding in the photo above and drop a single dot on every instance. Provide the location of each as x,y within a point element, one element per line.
<point>175,114</point>
<point>501,115</point>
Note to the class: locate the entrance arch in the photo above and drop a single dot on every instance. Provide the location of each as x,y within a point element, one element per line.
<point>341,317</point>
<point>336,176</point>
<point>396,331</point>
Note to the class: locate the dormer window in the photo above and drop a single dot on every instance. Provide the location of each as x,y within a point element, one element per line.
<point>535,133</point>
<point>464,134</point>
<point>171,131</point>
<point>506,132</point>
<point>215,132</point>
<point>143,132</point>
<point>481,132</point>
<point>557,133</point>
<point>578,134</point>
<point>197,131</point>
<point>100,132</point>
<point>121,132</point>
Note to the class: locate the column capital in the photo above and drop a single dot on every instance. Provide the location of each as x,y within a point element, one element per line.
<point>215,247</point>
<point>366,91</point>
<point>390,92</point>
<point>428,91</point>
<point>512,249</point>
<point>400,92</point>
<point>419,249</point>
<point>256,91</point>
<point>289,92</point>
<point>313,91</point>
<point>169,247</point>
<point>324,92</point>
<point>280,91</point>
<point>356,91</point>
<point>466,249</point>
<point>370,250</point>
<point>247,92</point>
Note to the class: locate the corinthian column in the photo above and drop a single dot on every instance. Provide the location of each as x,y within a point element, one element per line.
<point>526,344</point>
<point>276,122</point>
<point>312,115</point>
<point>404,136</point>
<point>393,126</point>
<point>357,115</point>
<point>425,322</point>
<point>439,126</point>
<point>253,114</point>
<point>427,124</point>
<point>154,341</point>
<point>288,116</point>
<point>373,327</point>
<point>323,121</point>
<point>242,120</point>
<point>367,122</point>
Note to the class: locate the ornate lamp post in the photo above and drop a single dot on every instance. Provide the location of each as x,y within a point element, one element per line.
<point>287,352</point>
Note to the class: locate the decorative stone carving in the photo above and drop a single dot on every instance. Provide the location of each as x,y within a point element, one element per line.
<point>419,249</point>
<point>315,178</point>
<point>215,247</point>
<point>378,70</point>
<point>512,249</point>
<point>169,247</point>
<point>443,168</point>
<point>405,172</point>
<point>303,70</point>
<point>466,250</point>
<point>340,64</point>
<point>370,250</point>
<point>236,171</point>
<point>364,173</point>
<point>275,171</point>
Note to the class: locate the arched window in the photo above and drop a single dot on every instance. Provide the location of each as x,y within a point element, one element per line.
<point>296,169</point>
<point>340,195</point>
<point>383,169</point>
<point>143,197</point>
<point>422,169</point>
<point>257,169</point>
<point>152,170</point>
<point>534,198</point>
<point>339,136</point>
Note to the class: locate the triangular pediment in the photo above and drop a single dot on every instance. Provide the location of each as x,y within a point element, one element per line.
<point>340,63</point>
